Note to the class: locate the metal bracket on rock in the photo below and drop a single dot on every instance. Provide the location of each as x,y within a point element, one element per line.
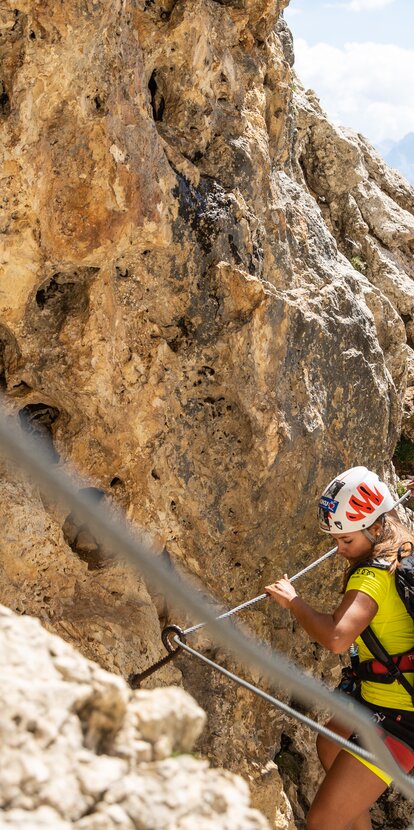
<point>134,680</point>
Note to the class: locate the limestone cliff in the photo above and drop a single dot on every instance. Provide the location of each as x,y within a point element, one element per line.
<point>79,750</point>
<point>206,307</point>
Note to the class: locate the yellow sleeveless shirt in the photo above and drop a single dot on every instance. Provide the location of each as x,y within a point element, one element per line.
<point>394,628</point>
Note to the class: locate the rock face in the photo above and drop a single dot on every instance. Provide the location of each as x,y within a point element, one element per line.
<point>206,308</point>
<point>80,750</point>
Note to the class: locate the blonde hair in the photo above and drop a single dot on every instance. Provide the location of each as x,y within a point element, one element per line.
<point>395,538</point>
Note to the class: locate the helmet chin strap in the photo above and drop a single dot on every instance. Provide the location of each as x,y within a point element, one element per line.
<point>371,537</point>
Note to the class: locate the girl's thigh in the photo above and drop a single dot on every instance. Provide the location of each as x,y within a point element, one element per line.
<point>347,790</point>
<point>326,749</point>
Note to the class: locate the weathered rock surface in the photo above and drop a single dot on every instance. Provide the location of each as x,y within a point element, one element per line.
<point>206,307</point>
<point>80,750</point>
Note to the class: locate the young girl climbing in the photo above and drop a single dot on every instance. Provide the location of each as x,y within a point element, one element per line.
<point>356,509</point>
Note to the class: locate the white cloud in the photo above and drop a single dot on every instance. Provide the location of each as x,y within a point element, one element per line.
<point>365,86</point>
<point>361,5</point>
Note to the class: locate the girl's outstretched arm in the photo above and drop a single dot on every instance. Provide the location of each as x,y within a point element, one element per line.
<point>336,631</point>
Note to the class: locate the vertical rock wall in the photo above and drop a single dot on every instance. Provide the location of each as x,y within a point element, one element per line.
<point>205,299</point>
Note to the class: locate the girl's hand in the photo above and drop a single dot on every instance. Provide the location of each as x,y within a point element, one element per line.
<point>282,591</point>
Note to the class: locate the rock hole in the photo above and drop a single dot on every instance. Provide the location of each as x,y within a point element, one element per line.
<point>4,101</point>
<point>32,36</point>
<point>155,475</point>
<point>20,388</point>
<point>233,247</point>
<point>79,537</point>
<point>44,294</point>
<point>157,100</point>
<point>290,763</point>
<point>3,379</point>
<point>116,481</point>
<point>98,103</point>
<point>185,327</point>
<point>9,356</point>
<point>123,273</point>
<point>37,419</point>
<point>63,296</point>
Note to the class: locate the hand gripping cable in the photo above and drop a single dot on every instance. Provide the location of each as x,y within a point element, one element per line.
<point>135,680</point>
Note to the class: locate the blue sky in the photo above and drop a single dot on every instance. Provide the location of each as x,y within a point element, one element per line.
<point>358,56</point>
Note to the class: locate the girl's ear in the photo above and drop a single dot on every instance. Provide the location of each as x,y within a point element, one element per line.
<point>378,528</point>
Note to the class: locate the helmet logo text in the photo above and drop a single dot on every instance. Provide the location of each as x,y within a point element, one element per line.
<point>366,504</point>
<point>328,504</point>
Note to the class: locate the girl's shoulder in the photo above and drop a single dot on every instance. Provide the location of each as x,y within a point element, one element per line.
<point>372,578</point>
<point>380,563</point>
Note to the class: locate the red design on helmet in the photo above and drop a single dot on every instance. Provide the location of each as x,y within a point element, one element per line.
<point>365,505</point>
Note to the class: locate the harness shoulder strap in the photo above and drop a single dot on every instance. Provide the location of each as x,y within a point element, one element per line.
<point>377,649</point>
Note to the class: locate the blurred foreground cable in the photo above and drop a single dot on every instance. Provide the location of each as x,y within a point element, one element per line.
<point>127,544</point>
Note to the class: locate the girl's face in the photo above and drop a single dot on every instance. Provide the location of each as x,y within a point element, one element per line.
<point>353,546</point>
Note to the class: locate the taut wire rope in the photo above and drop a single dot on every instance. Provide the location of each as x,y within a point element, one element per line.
<point>250,602</point>
<point>284,707</point>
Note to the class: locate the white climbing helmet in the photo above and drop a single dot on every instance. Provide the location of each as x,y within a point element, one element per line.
<point>353,501</point>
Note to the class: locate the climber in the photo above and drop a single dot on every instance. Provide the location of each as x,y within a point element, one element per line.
<point>356,509</point>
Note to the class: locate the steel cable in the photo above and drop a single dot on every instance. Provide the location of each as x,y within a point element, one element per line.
<point>261,596</point>
<point>284,707</point>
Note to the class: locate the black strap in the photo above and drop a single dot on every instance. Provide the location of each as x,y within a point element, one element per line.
<point>377,649</point>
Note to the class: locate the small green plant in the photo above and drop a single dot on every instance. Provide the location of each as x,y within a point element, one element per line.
<point>401,489</point>
<point>358,264</point>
